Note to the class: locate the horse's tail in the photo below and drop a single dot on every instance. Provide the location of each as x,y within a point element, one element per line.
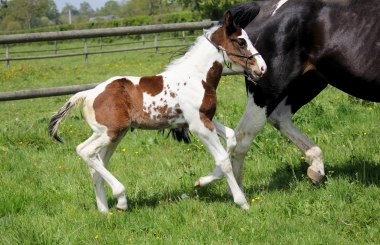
<point>73,102</point>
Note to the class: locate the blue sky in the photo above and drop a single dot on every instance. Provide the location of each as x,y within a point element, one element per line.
<point>94,3</point>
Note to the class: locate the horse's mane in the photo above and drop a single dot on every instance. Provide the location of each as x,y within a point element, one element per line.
<point>174,64</point>
<point>243,13</point>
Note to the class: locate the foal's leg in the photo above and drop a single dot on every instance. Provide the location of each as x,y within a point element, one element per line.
<point>281,118</point>
<point>100,192</point>
<point>212,143</point>
<point>228,136</point>
<point>96,152</point>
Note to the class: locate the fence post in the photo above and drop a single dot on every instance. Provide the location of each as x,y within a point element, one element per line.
<point>100,43</point>
<point>142,38</point>
<point>85,51</point>
<point>7,56</point>
<point>55,47</point>
<point>183,36</point>
<point>155,42</point>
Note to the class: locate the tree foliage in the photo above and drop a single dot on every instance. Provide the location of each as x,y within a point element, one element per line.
<point>131,8</point>
<point>211,9</point>
<point>85,8</point>
<point>28,14</point>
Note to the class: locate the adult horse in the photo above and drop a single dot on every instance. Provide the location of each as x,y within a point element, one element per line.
<point>182,96</point>
<point>306,44</point>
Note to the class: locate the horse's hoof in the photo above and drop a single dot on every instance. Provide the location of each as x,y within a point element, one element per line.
<point>121,210</point>
<point>197,183</point>
<point>314,176</point>
<point>245,206</point>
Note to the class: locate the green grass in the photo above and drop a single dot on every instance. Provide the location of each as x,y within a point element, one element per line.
<point>46,193</point>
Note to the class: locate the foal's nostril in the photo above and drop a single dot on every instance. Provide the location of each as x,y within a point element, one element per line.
<point>263,70</point>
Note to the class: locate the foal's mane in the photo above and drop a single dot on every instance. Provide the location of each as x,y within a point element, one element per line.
<point>175,63</point>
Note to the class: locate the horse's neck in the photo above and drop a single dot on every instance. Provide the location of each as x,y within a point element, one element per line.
<point>199,59</point>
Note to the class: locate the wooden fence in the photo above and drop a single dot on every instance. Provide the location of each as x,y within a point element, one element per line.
<point>66,90</point>
<point>95,33</point>
<point>98,33</point>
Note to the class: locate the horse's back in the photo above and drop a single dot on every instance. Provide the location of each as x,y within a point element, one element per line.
<point>339,39</point>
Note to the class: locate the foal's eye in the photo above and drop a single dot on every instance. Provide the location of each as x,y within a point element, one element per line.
<point>241,42</point>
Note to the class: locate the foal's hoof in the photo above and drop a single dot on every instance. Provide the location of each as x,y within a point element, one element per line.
<point>197,183</point>
<point>315,176</point>
<point>121,210</point>
<point>245,206</point>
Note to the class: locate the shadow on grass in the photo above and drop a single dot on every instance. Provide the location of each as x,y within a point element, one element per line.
<point>206,194</point>
<point>366,172</point>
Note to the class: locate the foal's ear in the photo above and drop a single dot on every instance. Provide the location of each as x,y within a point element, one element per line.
<point>229,23</point>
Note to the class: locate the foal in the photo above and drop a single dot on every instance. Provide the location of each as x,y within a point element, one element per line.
<point>182,96</point>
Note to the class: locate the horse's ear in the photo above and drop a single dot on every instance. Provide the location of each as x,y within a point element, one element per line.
<point>229,23</point>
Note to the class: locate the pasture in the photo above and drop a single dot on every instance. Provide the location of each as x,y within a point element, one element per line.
<point>47,197</point>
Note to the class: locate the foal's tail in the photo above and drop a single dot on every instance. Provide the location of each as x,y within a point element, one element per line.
<point>73,102</point>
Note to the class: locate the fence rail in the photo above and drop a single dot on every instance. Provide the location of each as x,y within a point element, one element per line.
<point>95,33</point>
<point>54,36</point>
<point>104,32</point>
<point>66,90</point>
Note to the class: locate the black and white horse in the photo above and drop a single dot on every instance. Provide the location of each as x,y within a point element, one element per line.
<point>184,95</point>
<point>306,46</point>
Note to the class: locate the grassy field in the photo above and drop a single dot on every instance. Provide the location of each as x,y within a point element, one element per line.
<point>46,193</point>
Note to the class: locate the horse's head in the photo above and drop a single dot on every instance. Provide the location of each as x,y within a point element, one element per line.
<point>235,43</point>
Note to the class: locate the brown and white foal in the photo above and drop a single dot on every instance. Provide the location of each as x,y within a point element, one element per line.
<point>182,96</point>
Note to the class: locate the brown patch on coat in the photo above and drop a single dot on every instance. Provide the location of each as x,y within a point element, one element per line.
<point>116,105</point>
<point>151,85</point>
<point>208,107</point>
<point>120,106</point>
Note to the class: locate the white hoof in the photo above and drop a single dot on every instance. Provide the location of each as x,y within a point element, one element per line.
<point>245,206</point>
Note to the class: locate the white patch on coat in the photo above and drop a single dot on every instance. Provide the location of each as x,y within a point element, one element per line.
<point>280,3</point>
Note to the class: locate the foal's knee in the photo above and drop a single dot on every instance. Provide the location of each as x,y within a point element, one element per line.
<point>230,140</point>
<point>226,166</point>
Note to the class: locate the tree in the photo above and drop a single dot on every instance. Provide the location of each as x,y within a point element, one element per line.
<point>110,7</point>
<point>132,8</point>
<point>72,8</point>
<point>51,11</point>
<point>27,11</point>
<point>85,8</point>
<point>209,8</point>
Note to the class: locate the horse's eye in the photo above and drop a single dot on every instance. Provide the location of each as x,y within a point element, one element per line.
<point>241,42</point>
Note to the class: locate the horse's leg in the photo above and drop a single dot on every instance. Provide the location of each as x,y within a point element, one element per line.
<point>223,164</point>
<point>281,118</point>
<point>228,136</point>
<point>96,152</point>
<point>104,155</point>
<point>100,192</point>
<point>303,91</point>
<point>251,123</point>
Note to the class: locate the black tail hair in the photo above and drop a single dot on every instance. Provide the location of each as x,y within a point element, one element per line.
<point>179,134</point>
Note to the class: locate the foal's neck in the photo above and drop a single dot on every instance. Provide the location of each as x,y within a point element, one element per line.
<point>199,59</point>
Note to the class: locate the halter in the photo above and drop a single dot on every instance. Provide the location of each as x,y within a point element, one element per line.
<point>229,65</point>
